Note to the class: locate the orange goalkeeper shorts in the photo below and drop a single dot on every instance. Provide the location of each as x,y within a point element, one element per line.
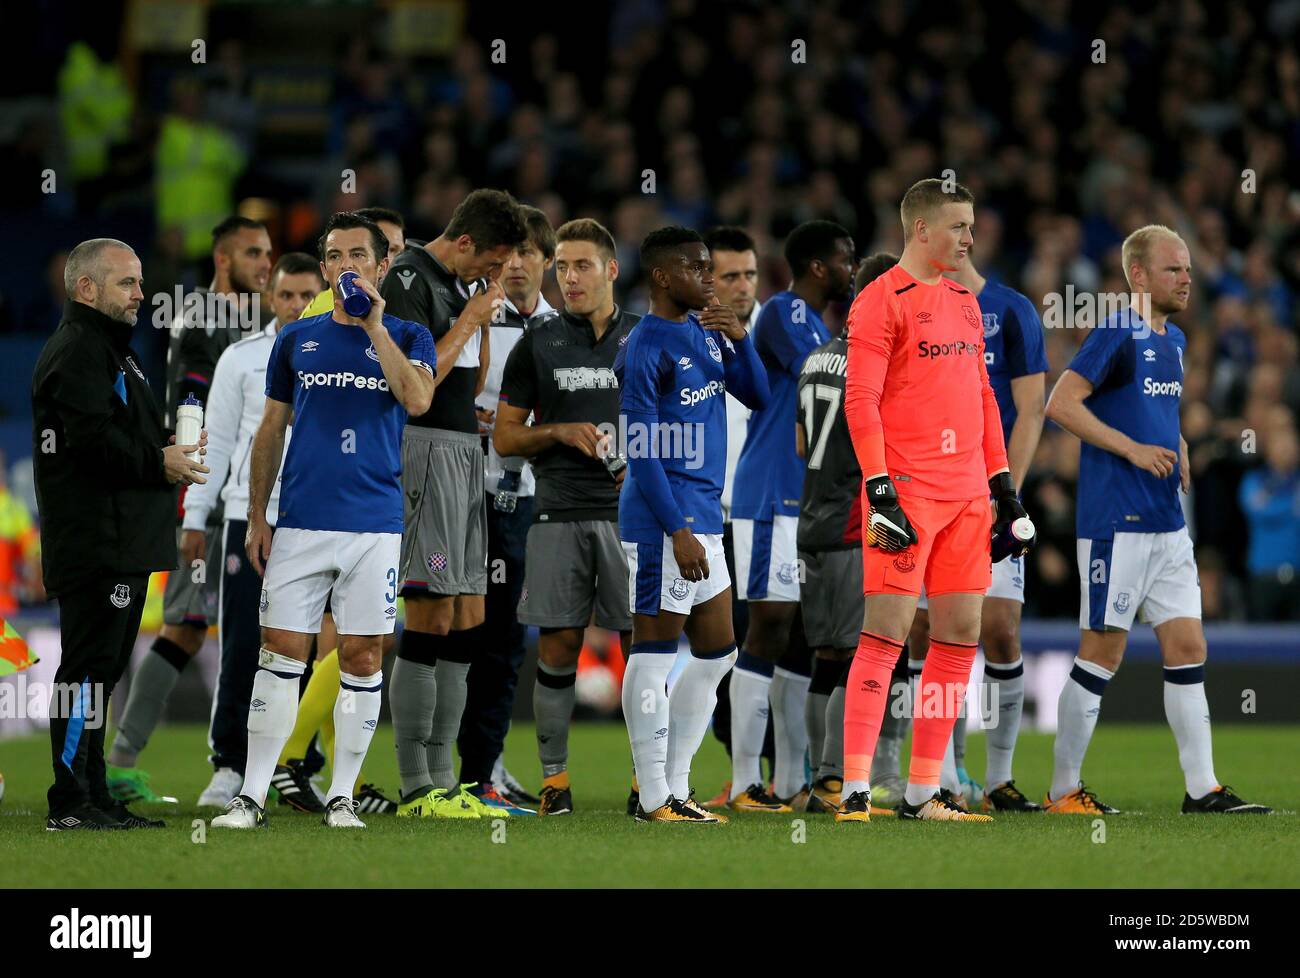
<point>951,553</point>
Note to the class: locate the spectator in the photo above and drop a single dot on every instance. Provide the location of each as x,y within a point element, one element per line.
<point>1270,498</point>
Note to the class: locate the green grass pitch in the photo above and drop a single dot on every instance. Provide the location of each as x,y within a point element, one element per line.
<point>1134,768</point>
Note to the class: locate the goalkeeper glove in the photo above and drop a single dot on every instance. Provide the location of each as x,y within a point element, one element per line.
<point>1013,532</point>
<point>887,526</point>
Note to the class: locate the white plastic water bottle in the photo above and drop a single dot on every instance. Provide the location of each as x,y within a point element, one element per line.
<point>189,424</point>
<point>1023,529</point>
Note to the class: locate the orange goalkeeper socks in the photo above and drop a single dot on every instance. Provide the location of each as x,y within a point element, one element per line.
<point>938,697</point>
<point>865,699</point>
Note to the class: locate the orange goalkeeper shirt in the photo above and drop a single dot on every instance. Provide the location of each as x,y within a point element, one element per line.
<point>917,396</point>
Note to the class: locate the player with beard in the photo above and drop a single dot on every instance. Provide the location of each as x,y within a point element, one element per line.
<point>774,665</point>
<point>1121,397</point>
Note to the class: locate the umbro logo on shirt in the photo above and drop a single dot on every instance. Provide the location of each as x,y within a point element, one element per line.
<point>684,363</point>
<point>1150,355</point>
<point>309,346</point>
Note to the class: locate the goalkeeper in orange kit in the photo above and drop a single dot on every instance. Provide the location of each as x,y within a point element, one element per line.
<point>926,429</point>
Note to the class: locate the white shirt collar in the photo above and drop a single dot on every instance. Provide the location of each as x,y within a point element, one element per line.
<point>542,307</point>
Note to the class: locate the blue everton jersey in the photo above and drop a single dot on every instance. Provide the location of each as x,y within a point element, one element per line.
<point>769,475</point>
<point>1013,344</point>
<point>1137,380</point>
<point>344,465</point>
<point>672,377</point>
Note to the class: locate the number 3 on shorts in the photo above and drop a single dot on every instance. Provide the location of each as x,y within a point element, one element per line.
<point>391,594</point>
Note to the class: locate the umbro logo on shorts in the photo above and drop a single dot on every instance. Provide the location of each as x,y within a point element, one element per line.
<point>369,724</point>
<point>257,704</point>
<point>121,596</point>
<point>390,612</point>
<point>661,733</point>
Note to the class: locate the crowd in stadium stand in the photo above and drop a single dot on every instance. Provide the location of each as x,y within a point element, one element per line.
<point>1072,128</point>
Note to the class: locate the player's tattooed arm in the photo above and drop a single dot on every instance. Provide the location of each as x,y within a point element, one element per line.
<point>1184,466</point>
<point>268,450</point>
<point>1067,409</point>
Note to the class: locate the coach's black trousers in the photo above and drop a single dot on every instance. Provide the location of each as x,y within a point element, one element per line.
<point>98,624</point>
<point>499,646</point>
<point>240,636</point>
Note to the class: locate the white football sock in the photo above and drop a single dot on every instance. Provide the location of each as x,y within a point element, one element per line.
<point>788,694</point>
<point>814,715</point>
<point>356,714</point>
<point>275,687</point>
<point>749,712</point>
<point>690,705</point>
<point>1076,718</point>
<point>852,787</point>
<point>1189,718</point>
<point>645,710</point>
<point>832,759</point>
<point>948,770</point>
<point>1007,682</point>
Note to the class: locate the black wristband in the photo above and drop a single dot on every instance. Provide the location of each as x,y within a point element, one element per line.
<point>1001,486</point>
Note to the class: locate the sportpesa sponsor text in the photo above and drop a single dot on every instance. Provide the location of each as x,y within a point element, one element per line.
<point>342,378</point>
<point>1155,388</point>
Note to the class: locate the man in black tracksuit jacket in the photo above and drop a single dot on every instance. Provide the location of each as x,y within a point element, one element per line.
<point>105,486</point>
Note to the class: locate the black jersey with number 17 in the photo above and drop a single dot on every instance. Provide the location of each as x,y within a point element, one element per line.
<point>830,511</point>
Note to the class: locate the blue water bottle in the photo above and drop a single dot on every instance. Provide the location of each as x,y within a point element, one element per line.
<point>355,302</point>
